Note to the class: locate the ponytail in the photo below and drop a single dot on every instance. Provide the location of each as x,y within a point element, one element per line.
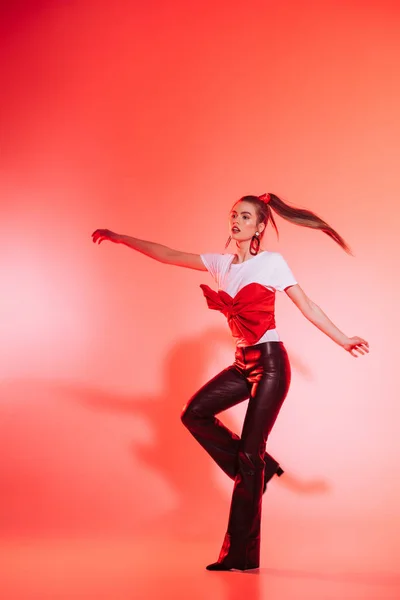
<point>298,216</point>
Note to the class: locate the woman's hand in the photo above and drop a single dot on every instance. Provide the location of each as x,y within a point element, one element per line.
<point>104,234</point>
<point>356,344</point>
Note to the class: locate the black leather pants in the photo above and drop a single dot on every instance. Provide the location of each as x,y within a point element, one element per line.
<point>262,374</point>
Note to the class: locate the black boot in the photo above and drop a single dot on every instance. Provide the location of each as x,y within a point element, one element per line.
<point>218,566</point>
<point>271,468</point>
<point>221,566</point>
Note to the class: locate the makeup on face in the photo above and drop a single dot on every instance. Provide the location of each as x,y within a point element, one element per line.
<point>243,220</point>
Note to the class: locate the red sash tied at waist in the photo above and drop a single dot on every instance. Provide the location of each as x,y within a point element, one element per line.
<point>250,313</point>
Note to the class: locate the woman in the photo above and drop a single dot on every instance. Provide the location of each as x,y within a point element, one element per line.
<point>247,282</point>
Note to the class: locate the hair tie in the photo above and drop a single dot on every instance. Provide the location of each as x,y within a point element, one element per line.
<point>265,198</point>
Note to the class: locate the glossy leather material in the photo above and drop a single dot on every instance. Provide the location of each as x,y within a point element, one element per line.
<point>262,374</point>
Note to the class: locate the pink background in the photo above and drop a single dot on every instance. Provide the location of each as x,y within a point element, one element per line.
<point>151,119</point>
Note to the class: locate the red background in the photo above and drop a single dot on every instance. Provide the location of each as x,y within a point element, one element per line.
<point>151,119</point>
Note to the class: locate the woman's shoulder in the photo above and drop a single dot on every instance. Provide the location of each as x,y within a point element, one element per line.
<point>273,256</point>
<point>275,261</point>
<point>219,256</point>
<point>216,262</point>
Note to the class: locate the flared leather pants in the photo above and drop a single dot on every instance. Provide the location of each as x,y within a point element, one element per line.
<point>262,374</point>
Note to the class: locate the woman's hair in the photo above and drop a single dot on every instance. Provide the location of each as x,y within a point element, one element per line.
<point>298,216</point>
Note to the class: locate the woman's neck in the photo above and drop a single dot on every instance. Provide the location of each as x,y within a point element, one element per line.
<point>243,252</point>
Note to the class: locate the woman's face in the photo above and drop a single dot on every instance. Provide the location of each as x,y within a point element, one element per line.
<point>243,221</point>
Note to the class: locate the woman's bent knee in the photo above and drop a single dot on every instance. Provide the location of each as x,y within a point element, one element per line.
<point>191,413</point>
<point>185,415</point>
<point>188,414</point>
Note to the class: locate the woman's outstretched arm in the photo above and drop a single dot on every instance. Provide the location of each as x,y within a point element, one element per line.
<point>316,315</point>
<point>152,249</point>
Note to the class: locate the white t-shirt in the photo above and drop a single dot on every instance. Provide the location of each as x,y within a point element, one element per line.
<point>266,268</point>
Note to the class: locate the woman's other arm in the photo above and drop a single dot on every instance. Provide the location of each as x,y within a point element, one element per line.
<point>159,252</point>
<point>316,315</point>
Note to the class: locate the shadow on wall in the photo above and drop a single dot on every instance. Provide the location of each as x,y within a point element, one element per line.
<point>60,470</point>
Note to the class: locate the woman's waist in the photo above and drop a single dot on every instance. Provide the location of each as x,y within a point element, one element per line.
<point>271,335</point>
<point>259,353</point>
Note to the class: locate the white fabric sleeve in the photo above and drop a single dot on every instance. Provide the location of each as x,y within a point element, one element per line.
<point>282,276</point>
<point>212,263</point>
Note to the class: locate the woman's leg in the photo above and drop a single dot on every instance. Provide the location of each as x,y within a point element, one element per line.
<point>223,391</point>
<point>268,371</point>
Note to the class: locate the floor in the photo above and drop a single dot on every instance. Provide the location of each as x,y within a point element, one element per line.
<point>298,561</point>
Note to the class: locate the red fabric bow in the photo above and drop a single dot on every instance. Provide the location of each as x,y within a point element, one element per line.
<point>265,198</point>
<point>250,313</point>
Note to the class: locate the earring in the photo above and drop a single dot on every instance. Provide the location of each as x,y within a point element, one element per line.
<point>228,242</point>
<point>255,243</point>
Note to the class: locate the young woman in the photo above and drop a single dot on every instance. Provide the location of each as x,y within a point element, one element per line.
<point>247,282</point>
